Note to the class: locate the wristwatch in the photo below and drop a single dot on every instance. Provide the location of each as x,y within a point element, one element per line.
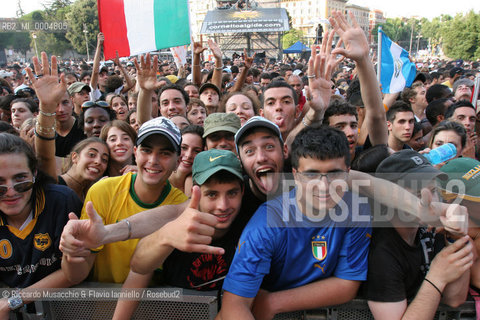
<point>15,302</point>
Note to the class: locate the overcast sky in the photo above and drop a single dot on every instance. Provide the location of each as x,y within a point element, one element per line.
<point>405,8</point>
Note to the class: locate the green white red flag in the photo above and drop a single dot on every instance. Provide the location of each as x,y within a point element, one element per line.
<point>137,26</point>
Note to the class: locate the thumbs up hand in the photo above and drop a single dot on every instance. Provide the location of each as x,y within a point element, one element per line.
<point>193,230</point>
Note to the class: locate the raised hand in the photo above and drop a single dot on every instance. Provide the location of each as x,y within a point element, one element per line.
<point>147,72</point>
<point>80,235</point>
<point>116,61</point>
<point>217,52</point>
<point>248,60</point>
<point>48,88</point>
<point>198,47</point>
<point>100,39</point>
<point>192,231</point>
<point>356,44</point>
<point>320,68</point>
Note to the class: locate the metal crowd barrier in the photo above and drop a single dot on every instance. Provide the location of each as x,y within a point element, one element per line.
<point>357,309</point>
<point>196,305</point>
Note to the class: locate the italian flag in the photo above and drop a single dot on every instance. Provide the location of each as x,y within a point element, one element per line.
<point>137,26</point>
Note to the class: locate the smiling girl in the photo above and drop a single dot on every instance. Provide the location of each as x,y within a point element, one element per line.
<point>120,138</point>
<point>192,144</point>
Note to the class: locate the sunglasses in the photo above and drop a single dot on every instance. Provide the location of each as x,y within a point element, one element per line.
<point>89,104</point>
<point>21,187</point>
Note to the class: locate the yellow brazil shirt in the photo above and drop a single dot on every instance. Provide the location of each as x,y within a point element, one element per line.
<point>114,199</point>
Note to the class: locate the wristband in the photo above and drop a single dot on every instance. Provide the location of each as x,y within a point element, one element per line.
<point>219,68</point>
<point>15,301</point>
<point>303,121</point>
<point>44,130</point>
<point>48,114</point>
<point>441,294</point>
<point>42,137</point>
<point>129,226</point>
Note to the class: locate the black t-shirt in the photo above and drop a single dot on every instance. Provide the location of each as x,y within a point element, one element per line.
<point>200,271</point>
<point>395,269</point>
<point>30,255</point>
<point>63,145</point>
<point>206,271</point>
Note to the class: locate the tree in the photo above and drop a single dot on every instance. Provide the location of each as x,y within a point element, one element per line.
<point>289,19</point>
<point>52,43</point>
<point>398,30</point>
<point>432,30</point>
<point>291,36</point>
<point>19,11</point>
<point>18,41</point>
<point>54,6</point>
<point>83,12</point>
<point>461,37</point>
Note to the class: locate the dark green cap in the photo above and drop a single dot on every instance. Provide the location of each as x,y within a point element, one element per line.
<point>221,122</point>
<point>207,163</point>
<point>466,173</point>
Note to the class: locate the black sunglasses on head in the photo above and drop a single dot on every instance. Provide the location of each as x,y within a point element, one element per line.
<point>89,104</point>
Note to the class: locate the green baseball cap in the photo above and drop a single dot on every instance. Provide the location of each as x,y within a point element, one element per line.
<point>76,87</point>
<point>221,122</point>
<point>467,173</point>
<point>207,163</point>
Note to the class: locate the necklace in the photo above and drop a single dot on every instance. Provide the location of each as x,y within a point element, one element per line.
<point>76,181</point>
<point>81,192</point>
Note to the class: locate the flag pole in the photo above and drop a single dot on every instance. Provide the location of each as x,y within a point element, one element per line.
<point>475,93</point>
<point>379,52</point>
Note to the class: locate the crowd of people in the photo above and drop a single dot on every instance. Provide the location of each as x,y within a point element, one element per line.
<point>288,186</point>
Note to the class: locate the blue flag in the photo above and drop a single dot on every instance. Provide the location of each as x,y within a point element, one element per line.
<point>397,71</point>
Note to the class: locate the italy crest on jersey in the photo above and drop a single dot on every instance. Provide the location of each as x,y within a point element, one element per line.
<point>42,241</point>
<point>319,249</point>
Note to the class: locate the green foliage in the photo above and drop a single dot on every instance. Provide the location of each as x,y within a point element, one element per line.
<point>83,12</point>
<point>291,36</point>
<point>53,43</point>
<point>54,6</point>
<point>289,19</point>
<point>461,38</point>
<point>18,41</point>
<point>400,30</point>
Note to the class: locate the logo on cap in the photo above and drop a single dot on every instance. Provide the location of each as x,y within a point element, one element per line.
<point>213,159</point>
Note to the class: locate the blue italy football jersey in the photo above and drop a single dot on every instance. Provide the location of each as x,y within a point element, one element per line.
<point>281,249</point>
